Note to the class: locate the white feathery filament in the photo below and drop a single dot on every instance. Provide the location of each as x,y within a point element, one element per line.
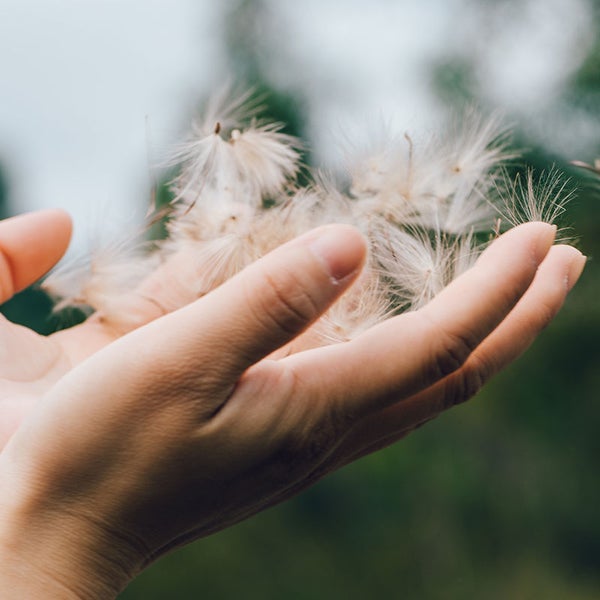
<point>428,209</point>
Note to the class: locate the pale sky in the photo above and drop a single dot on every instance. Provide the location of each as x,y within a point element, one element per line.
<point>94,92</point>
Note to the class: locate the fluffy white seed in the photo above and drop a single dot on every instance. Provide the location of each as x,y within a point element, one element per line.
<point>427,208</point>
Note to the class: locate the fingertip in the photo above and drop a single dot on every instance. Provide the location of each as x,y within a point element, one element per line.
<point>565,262</point>
<point>340,249</point>
<point>61,224</point>
<point>545,234</point>
<point>59,216</point>
<point>576,267</point>
<point>55,223</point>
<point>533,226</point>
<point>32,243</point>
<point>535,238</point>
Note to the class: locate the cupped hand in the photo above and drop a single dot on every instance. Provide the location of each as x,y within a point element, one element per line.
<point>189,423</point>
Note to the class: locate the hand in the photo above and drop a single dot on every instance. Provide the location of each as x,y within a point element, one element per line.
<point>29,246</point>
<point>185,425</point>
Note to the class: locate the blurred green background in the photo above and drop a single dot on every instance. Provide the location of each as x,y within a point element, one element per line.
<point>499,498</point>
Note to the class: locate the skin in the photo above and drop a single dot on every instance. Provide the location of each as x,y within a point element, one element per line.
<point>119,447</point>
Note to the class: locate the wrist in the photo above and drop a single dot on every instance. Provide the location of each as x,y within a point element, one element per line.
<point>46,553</point>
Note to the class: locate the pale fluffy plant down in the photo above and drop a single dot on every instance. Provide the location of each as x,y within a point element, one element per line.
<point>428,209</point>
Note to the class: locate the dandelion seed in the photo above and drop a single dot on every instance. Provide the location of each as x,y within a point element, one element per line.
<point>465,252</point>
<point>546,200</point>
<point>249,165</point>
<point>428,208</point>
<point>417,263</point>
<point>102,280</point>
<point>366,304</point>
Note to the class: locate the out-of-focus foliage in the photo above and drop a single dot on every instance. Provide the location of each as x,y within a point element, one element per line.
<point>497,499</point>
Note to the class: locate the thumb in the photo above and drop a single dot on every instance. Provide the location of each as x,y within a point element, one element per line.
<point>30,245</point>
<point>263,307</point>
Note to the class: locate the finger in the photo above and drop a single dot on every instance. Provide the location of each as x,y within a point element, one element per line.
<point>30,245</point>
<point>555,277</point>
<point>265,305</point>
<point>412,351</point>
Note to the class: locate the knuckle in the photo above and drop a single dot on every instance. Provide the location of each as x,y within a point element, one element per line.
<point>465,383</point>
<point>305,446</point>
<point>450,349</point>
<point>284,302</point>
<point>297,432</point>
<point>300,451</point>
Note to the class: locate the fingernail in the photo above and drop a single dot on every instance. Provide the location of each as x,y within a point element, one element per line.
<point>575,270</point>
<point>339,248</point>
